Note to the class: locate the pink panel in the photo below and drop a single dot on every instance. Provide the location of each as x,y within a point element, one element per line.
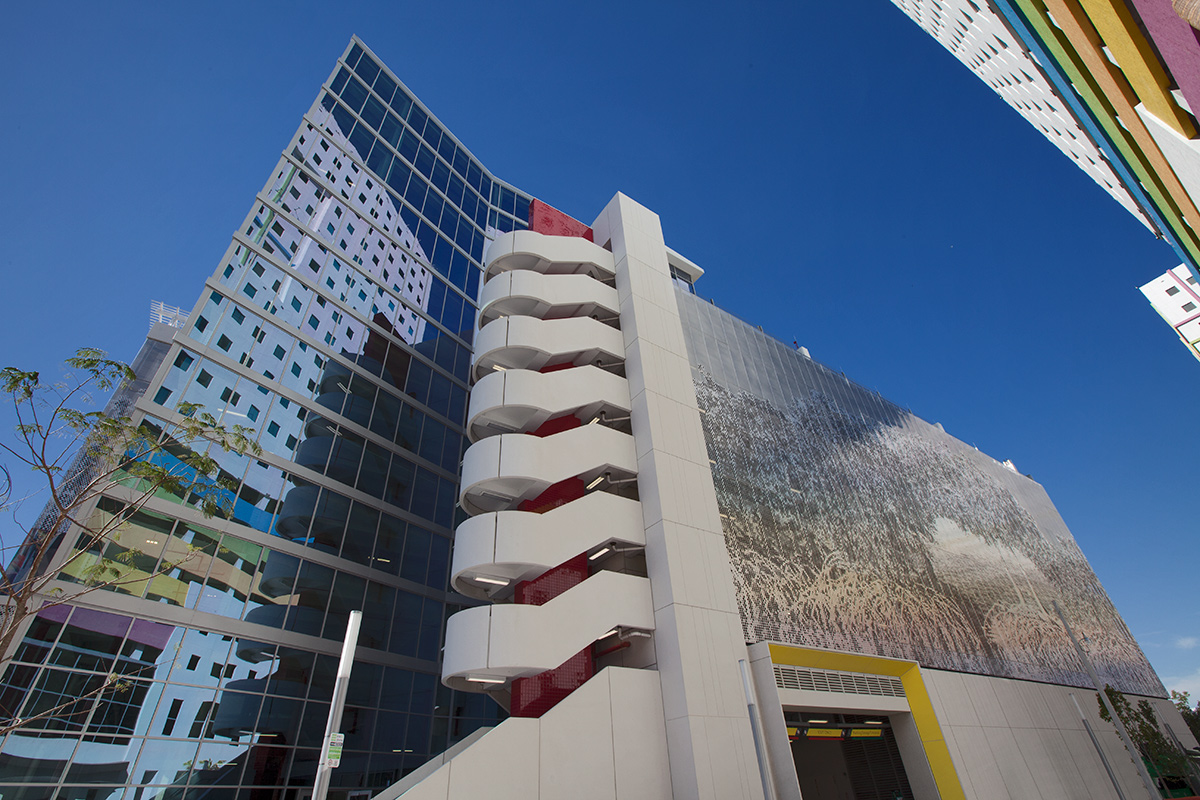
<point>1177,42</point>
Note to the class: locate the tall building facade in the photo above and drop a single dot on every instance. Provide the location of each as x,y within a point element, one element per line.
<point>338,325</point>
<point>688,560</point>
<point>1174,295</point>
<point>718,568</point>
<point>1112,83</point>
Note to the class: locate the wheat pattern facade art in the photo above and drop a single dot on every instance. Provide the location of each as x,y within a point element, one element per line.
<point>853,524</point>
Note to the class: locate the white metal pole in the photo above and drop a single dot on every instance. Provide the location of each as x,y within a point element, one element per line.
<point>1134,753</point>
<point>329,759</point>
<point>756,732</point>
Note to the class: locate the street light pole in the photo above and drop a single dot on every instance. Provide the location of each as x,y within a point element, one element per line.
<point>1134,753</point>
<point>1087,726</point>
<point>331,748</point>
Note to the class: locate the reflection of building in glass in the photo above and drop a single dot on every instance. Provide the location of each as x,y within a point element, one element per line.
<point>338,326</point>
<point>1176,298</point>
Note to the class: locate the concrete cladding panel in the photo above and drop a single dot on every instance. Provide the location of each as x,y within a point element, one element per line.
<point>1012,738</point>
<point>697,639</point>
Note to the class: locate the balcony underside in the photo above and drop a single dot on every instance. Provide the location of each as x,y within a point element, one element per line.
<point>519,401</point>
<point>487,645</point>
<point>556,255</point>
<point>499,549</point>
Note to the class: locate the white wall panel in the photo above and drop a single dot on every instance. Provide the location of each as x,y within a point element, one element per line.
<point>508,641</point>
<point>551,254</point>
<point>1021,739</point>
<point>521,400</point>
<point>531,343</point>
<point>546,296</point>
<point>605,740</point>
<point>520,545</point>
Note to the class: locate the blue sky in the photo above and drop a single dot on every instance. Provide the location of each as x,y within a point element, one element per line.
<point>842,179</point>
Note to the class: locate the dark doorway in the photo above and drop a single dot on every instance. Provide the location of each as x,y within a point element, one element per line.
<point>846,757</point>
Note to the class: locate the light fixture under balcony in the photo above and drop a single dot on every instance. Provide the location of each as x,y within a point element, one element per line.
<point>599,553</point>
<point>492,581</point>
<point>478,679</point>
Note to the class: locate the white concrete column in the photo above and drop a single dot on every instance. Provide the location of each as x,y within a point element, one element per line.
<point>698,638</point>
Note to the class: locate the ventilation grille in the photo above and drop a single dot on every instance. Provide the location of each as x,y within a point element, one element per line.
<point>821,680</point>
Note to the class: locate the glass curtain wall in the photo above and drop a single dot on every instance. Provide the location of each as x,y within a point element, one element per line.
<point>338,326</point>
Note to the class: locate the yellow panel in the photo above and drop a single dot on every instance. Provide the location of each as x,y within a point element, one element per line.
<point>1111,84</point>
<point>1137,60</point>
<point>921,706</point>
<point>866,733</point>
<point>823,733</point>
<point>832,659</point>
<point>936,752</point>
<point>941,765</point>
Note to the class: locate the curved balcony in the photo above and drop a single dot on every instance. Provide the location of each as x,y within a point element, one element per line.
<point>297,513</point>
<point>516,546</point>
<point>268,685</point>
<point>531,343</point>
<point>239,714</point>
<point>519,401</point>
<point>487,645</point>
<point>279,576</point>
<point>561,255</point>
<point>501,471</point>
<point>335,456</point>
<point>351,406</point>
<point>532,294</point>
<point>300,619</point>
<point>255,652</point>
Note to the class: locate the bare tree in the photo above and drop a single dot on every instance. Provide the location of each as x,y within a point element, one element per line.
<point>74,548</point>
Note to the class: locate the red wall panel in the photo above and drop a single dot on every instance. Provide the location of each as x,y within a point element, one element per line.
<point>550,221</point>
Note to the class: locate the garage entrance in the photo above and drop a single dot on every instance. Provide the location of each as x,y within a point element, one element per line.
<point>846,756</point>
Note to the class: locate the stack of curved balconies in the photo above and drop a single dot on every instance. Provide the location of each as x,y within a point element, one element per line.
<point>550,479</point>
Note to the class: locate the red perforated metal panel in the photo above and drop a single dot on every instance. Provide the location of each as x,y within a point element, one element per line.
<point>532,697</point>
<point>550,221</point>
<point>559,494</point>
<point>553,582</point>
